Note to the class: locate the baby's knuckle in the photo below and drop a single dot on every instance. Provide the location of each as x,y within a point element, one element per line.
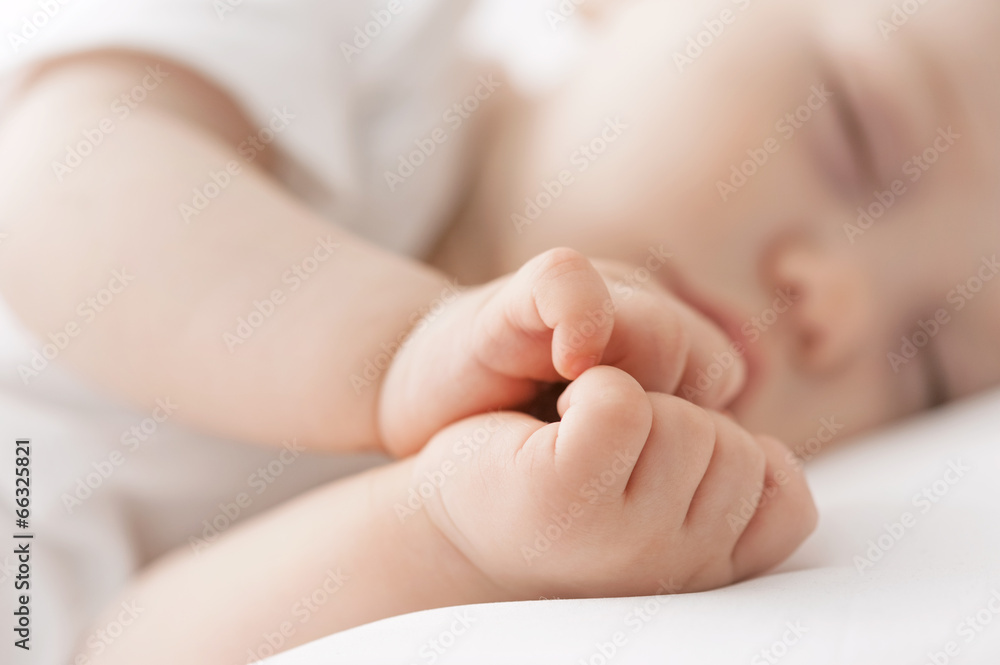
<point>629,404</point>
<point>556,262</point>
<point>698,425</point>
<point>617,383</point>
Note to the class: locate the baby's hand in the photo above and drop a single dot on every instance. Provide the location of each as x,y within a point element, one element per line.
<point>499,345</point>
<point>631,492</point>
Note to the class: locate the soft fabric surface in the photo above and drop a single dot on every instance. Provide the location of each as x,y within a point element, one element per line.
<point>933,596</point>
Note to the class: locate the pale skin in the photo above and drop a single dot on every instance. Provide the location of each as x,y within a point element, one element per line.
<point>499,343</point>
<point>678,467</point>
<point>794,224</point>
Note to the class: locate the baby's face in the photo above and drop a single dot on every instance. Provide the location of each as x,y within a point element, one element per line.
<point>825,175</point>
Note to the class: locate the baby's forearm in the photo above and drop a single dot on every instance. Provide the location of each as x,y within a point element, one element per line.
<point>259,319</point>
<point>330,560</point>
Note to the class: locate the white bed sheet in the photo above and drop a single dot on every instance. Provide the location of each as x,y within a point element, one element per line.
<point>933,597</point>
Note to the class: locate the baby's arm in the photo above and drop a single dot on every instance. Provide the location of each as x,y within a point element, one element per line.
<point>632,493</point>
<point>332,559</point>
<point>185,283</point>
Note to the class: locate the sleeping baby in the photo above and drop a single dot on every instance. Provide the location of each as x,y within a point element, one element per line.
<point>718,240</point>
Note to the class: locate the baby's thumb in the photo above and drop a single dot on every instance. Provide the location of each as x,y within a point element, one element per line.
<point>558,293</point>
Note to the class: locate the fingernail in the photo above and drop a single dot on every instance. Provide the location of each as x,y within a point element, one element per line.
<point>581,365</point>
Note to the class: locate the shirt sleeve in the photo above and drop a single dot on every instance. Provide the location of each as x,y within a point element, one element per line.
<point>273,57</point>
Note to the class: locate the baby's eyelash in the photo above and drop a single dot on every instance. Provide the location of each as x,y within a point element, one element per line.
<point>859,141</point>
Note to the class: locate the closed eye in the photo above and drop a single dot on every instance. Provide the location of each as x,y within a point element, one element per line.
<point>857,138</point>
<point>845,151</point>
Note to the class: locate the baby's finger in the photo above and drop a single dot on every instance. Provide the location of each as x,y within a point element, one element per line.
<point>675,458</point>
<point>606,420</point>
<point>785,515</point>
<point>552,319</point>
<point>714,374</point>
<point>733,481</point>
<point>670,348</point>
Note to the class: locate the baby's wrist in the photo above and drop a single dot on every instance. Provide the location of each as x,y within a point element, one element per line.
<point>393,359</point>
<point>423,372</point>
<point>438,573</point>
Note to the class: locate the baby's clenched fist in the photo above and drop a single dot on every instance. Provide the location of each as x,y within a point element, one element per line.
<point>629,489</point>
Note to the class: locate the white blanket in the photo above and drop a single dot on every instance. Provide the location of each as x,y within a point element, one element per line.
<point>904,568</point>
